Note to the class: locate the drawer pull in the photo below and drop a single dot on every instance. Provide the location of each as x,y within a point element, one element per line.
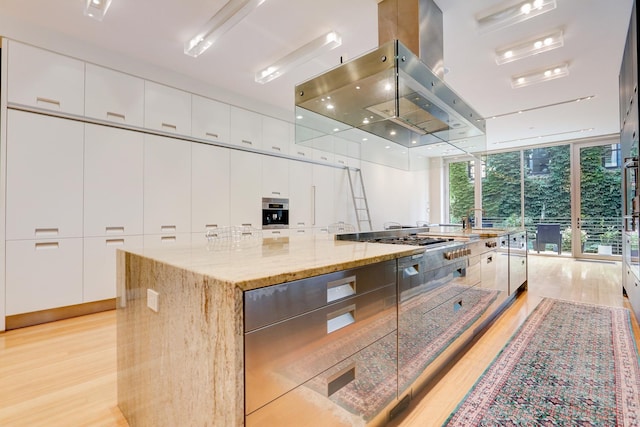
<point>341,318</point>
<point>116,115</point>
<point>165,228</point>
<point>213,135</point>
<point>46,232</point>
<point>276,193</point>
<point>246,141</point>
<point>324,158</point>
<point>301,153</point>
<point>341,379</point>
<point>169,125</point>
<point>300,224</point>
<point>341,288</point>
<point>114,230</point>
<point>301,231</point>
<point>275,147</point>
<point>489,260</point>
<point>46,245</point>
<point>275,232</point>
<point>168,239</point>
<point>411,271</point>
<point>48,101</point>
<point>210,226</point>
<point>248,224</point>
<point>114,242</point>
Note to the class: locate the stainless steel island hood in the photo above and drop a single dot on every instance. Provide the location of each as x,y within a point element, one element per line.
<point>391,92</point>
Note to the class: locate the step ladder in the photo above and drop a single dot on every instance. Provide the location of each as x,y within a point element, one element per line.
<point>359,198</point>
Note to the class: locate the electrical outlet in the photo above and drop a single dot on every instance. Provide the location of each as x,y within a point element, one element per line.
<point>153,299</point>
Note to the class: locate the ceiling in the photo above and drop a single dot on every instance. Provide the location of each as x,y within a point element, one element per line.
<point>154,31</point>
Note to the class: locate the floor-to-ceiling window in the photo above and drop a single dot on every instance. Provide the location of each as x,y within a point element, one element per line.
<point>533,187</point>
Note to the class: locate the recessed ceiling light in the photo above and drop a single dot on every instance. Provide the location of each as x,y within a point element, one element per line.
<point>96,9</point>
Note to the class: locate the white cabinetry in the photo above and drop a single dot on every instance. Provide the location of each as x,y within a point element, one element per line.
<point>114,96</point>
<point>323,196</point>
<point>99,266</point>
<point>44,176</point>
<point>209,187</point>
<point>45,79</point>
<point>245,199</point>
<point>275,177</point>
<point>167,186</point>
<point>167,109</point>
<point>113,181</point>
<point>300,195</point>
<point>343,210</point>
<point>43,274</point>
<point>275,135</point>
<point>164,240</point>
<point>246,128</point>
<point>209,119</point>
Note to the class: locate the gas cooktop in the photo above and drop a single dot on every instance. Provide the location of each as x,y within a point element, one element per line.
<point>396,237</point>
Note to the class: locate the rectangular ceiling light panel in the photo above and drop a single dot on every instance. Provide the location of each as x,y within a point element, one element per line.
<point>228,16</point>
<point>531,47</point>
<point>539,76</point>
<point>96,9</point>
<point>322,44</point>
<point>513,14</point>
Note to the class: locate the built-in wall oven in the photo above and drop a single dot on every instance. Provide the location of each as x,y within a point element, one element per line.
<point>275,213</point>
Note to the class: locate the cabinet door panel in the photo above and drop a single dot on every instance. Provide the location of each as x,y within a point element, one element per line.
<point>44,79</point>
<point>300,194</point>
<point>275,135</point>
<point>209,187</point>
<point>44,176</point>
<point>112,181</point>
<point>323,196</point>
<point>245,199</point>
<point>167,185</point>
<point>275,177</point>
<point>246,128</point>
<point>209,119</point>
<point>99,276</point>
<point>114,96</point>
<point>43,274</point>
<point>167,109</point>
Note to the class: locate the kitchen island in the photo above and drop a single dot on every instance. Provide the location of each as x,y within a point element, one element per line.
<point>266,331</point>
<point>184,363</point>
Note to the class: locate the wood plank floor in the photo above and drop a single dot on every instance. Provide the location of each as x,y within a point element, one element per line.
<point>64,373</point>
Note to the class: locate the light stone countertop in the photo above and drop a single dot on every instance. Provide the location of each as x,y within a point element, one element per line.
<point>259,262</point>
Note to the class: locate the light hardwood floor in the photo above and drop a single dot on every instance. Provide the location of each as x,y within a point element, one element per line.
<point>64,373</point>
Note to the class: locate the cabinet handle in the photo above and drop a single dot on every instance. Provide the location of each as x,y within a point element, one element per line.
<point>48,101</point>
<point>246,224</point>
<point>341,379</point>
<point>323,158</point>
<point>210,226</point>
<point>341,288</point>
<point>165,228</point>
<point>341,161</point>
<point>341,318</point>
<point>411,271</point>
<point>301,224</point>
<point>275,192</point>
<point>301,231</point>
<point>40,246</point>
<point>46,232</point>
<point>489,260</point>
<point>114,230</point>
<point>213,135</point>
<point>275,147</point>
<point>246,141</point>
<point>168,239</point>
<point>301,153</point>
<point>117,115</point>
<point>114,242</point>
<point>275,232</point>
<point>169,125</point>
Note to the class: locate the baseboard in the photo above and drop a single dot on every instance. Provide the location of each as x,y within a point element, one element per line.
<point>44,316</point>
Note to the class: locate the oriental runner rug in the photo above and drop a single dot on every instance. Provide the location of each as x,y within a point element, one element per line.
<point>569,364</point>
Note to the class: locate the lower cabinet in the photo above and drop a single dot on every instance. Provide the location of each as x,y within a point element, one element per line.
<point>43,274</point>
<point>99,275</point>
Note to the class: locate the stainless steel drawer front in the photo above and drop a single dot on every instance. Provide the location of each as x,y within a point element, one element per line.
<point>272,304</point>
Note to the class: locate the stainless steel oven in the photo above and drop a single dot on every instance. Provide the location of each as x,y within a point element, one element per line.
<point>275,213</point>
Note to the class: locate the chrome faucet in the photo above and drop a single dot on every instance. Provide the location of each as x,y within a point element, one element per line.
<point>467,224</point>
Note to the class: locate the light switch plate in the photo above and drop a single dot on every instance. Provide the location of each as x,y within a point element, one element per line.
<point>152,299</point>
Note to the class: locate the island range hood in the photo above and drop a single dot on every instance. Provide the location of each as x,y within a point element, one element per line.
<point>391,92</point>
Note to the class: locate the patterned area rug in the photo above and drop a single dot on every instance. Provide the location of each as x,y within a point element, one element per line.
<point>569,364</point>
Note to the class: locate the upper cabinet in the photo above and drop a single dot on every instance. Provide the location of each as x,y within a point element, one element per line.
<point>209,119</point>
<point>45,79</point>
<point>246,128</point>
<point>275,135</point>
<point>114,96</point>
<point>167,109</point>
